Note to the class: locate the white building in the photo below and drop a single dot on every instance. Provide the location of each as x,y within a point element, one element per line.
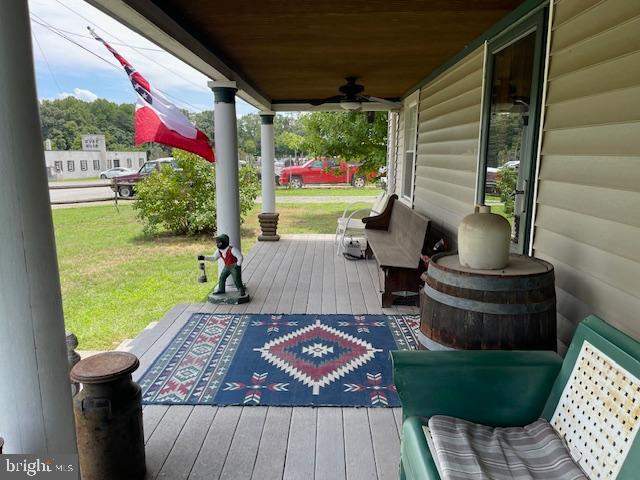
<point>90,161</point>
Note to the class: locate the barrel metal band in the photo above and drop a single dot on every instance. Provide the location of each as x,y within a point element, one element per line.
<point>489,283</point>
<point>486,307</point>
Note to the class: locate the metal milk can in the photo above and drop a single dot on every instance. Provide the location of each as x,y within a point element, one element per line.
<point>108,414</point>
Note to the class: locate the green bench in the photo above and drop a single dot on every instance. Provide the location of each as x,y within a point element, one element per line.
<point>591,401</point>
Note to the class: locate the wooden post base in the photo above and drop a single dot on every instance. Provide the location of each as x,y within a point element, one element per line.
<point>269,227</point>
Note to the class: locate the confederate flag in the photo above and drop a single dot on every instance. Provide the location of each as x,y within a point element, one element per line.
<point>157,119</point>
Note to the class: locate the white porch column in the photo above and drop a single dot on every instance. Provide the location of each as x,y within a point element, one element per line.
<point>268,218</point>
<point>226,142</point>
<point>392,158</point>
<point>268,152</point>
<point>35,394</point>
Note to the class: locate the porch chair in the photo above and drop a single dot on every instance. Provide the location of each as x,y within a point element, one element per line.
<point>523,414</point>
<point>351,219</point>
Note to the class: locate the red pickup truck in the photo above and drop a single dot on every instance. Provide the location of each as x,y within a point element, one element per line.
<point>322,170</point>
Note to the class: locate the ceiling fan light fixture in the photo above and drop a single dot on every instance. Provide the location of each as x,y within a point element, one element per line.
<point>351,106</point>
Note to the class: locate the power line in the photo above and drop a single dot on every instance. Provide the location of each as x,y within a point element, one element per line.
<point>47,62</point>
<point>142,54</point>
<point>113,43</point>
<point>52,29</point>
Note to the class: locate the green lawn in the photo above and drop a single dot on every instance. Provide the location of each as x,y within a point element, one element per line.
<point>115,281</point>
<point>337,191</point>
<point>77,180</point>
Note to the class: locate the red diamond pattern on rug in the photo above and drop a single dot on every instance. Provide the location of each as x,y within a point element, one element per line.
<point>317,354</point>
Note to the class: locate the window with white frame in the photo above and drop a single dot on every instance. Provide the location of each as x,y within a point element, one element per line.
<point>83,165</point>
<point>410,133</point>
<point>71,166</point>
<point>96,165</point>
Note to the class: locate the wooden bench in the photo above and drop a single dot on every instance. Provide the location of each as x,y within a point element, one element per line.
<point>397,238</point>
<point>589,405</point>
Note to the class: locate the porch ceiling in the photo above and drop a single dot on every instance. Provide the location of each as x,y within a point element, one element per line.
<point>303,49</point>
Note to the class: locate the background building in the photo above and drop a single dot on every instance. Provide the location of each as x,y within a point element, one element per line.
<point>90,161</point>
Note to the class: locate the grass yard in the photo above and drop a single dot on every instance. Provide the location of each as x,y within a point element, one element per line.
<point>76,180</point>
<point>115,281</point>
<point>333,191</point>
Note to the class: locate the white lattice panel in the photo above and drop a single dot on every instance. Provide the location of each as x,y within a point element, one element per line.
<point>598,413</point>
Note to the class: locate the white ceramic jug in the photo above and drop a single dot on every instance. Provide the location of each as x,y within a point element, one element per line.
<point>483,240</point>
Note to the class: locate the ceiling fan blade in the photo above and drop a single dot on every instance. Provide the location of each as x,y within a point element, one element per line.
<point>384,101</point>
<point>326,100</point>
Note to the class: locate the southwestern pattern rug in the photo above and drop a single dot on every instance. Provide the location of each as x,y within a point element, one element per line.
<point>283,360</point>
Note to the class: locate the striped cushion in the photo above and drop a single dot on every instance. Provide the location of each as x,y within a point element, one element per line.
<point>466,450</point>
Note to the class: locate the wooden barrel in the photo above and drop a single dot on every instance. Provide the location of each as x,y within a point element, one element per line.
<point>509,309</point>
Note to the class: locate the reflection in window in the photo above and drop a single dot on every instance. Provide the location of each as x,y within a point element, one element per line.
<point>410,132</point>
<point>508,130</point>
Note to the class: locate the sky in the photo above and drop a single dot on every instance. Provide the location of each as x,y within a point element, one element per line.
<point>65,69</point>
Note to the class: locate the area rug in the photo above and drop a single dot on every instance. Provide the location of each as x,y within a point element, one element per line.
<point>280,360</point>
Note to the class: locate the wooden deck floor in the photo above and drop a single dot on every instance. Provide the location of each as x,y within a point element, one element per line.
<point>298,274</point>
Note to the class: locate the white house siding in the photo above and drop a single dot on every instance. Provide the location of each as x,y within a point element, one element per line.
<point>447,153</point>
<point>588,206</point>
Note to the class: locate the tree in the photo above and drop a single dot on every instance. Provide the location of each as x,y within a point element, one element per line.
<point>203,121</point>
<point>287,146</point>
<point>505,138</point>
<point>249,134</point>
<point>292,141</point>
<point>64,121</point>
<point>348,135</point>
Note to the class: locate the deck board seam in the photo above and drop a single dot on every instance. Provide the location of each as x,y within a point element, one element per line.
<point>255,458</point>
<point>373,447</point>
<point>174,442</point>
<point>204,438</point>
<point>260,287</point>
<point>156,426</point>
<point>226,455</point>
<point>265,284</point>
<point>344,444</point>
<point>288,259</point>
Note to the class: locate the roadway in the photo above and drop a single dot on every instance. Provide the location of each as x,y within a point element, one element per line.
<point>65,191</point>
<point>64,194</point>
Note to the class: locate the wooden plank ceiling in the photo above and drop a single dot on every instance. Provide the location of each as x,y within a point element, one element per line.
<point>303,49</point>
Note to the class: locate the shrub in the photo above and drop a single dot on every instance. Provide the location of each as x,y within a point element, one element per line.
<point>184,201</point>
<point>506,185</point>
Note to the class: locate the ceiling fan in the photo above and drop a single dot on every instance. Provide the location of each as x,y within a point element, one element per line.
<point>351,97</point>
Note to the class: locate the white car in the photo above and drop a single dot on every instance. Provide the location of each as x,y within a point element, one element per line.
<point>512,164</point>
<point>115,172</point>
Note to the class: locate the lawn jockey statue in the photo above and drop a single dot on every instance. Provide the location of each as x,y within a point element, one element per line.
<point>232,259</point>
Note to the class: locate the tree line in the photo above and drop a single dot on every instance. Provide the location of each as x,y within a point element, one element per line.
<point>353,136</point>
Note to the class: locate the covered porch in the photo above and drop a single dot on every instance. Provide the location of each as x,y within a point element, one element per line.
<point>431,63</point>
<point>298,274</point>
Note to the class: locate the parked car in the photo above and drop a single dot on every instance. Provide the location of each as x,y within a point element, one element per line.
<point>322,170</point>
<point>512,164</point>
<point>125,184</point>
<point>115,172</point>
